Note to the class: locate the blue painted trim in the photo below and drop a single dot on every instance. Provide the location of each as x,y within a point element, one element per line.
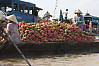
<point>18,7</point>
<point>12,6</point>
<point>27,3</point>
<point>92,19</point>
<point>33,14</point>
<point>28,10</point>
<point>23,8</point>
<point>0,7</point>
<point>22,16</point>
<point>9,2</point>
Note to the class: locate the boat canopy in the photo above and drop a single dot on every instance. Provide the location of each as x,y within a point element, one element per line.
<point>95,20</point>
<point>7,2</point>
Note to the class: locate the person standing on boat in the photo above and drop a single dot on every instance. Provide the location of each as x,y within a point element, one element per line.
<point>65,13</point>
<point>12,29</point>
<point>79,19</point>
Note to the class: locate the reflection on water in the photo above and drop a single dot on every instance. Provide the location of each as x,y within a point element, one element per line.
<point>55,60</point>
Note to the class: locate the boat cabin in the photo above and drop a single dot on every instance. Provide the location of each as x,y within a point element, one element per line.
<point>93,23</point>
<point>24,11</point>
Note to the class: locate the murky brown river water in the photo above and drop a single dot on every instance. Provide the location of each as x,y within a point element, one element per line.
<point>54,60</point>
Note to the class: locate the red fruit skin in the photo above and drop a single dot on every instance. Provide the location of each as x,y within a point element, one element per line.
<point>33,36</point>
<point>45,29</point>
<point>29,34</point>
<point>72,36</point>
<point>76,34</point>
<point>37,35</point>
<point>43,34</point>
<point>62,33</point>
<point>48,33</point>
<point>37,39</point>
<point>30,27</point>
<point>48,39</point>
<point>51,40</point>
<point>27,28</point>
<point>72,25</point>
<point>68,36</point>
<point>26,31</point>
<point>79,40</point>
<point>38,30</point>
<point>32,32</point>
<point>41,31</point>
<point>60,27</point>
<point>21,35</point>
<point>22,26</point>
<point>48,28</point>
<point>23,29</point>
<point>65,34</point>
<point>52,31</point>
<point>42,27</point>
<point>73,40</point>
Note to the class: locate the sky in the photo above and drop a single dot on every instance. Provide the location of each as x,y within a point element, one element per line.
<point>71,5</point>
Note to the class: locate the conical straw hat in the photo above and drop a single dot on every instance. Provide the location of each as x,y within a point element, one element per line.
<point>12,18</point>
<point>78,11</point>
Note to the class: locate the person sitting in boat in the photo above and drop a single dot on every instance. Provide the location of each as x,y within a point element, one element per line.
<point>47,16</point>
<point>79,19</point>
<point>2,17</point>
<point>12,29</point>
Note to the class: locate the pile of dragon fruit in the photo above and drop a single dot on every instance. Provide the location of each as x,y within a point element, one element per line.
<point>52,32</point>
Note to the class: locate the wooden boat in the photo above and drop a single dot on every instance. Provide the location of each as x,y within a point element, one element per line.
<point>58,47</point>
